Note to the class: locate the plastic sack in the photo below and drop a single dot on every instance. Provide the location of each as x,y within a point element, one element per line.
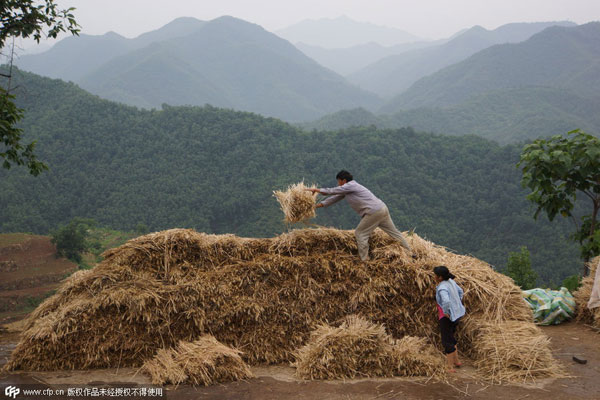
<point>595,296</point>
<point>550,307</point>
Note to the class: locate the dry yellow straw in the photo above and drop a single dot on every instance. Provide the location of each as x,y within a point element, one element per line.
<point>202,362</point>
<point>359,348</point>
<point>582,296</point>
<point>266,295</point>
<point>296,203</point>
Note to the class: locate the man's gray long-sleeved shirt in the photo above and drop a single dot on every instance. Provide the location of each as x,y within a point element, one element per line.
<point>359,197</point>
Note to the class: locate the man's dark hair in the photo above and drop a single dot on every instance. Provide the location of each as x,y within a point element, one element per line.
<point>343,174</point>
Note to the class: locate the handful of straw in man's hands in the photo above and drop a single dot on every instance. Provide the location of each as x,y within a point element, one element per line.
<point>297,203</point>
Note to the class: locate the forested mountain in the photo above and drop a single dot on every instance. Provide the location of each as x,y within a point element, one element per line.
<point>566,58</point>
<point>348,60</point>
<point>74,57</point>
<point>394,74</point>
<point>506,116</point>
<point>215,170</point>
<point>340,32</point>
<point>225,62</point>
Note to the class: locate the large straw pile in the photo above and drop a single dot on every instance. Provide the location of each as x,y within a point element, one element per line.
<point>202,362</point>
<point>359,348</point>
<point>297,203</point>
<point>262,296</point>
<point>582,296</point>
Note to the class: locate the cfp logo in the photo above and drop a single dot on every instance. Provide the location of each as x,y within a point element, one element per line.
<point>12,391</point>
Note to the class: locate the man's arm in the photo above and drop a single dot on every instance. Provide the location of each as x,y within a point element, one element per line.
<point>330,200</point>
<point>343,190</point>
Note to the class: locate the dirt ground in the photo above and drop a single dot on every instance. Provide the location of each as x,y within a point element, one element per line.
<point>30,271</point>
<point>278,382</point>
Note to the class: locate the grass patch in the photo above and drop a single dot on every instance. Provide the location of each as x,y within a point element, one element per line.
<point>100,240</point>
<point>32,302</point>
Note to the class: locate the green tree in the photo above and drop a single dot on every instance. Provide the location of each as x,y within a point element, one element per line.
<point>572,282</point>
<point>25,18</point>
<point>71,239</point>
<point>557,170</point>
<point>141,229</point>
<point>519,268</point>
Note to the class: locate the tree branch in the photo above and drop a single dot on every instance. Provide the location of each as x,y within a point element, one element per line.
<point>589,194</point>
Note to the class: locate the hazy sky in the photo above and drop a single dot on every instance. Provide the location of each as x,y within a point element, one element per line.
<point>426,18</point>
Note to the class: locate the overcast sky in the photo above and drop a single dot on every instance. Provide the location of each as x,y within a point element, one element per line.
<point>431,19</point>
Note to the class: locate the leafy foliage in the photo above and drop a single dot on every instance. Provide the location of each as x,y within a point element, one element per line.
<point>71,239</point>
<point>25,18</point>
<point>99,239</point>
<point>572,283</point>
<point>13,151</point>
<point>556,170</point>
<point>519,268</point>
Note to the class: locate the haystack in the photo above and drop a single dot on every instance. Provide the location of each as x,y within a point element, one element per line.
<point>359,348</point>
<point>582,296</point>
<point>202,362</point>
<point>262,296</point>
<point>297,203</point>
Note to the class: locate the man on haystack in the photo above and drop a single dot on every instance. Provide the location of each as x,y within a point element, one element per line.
<point>373,212</point>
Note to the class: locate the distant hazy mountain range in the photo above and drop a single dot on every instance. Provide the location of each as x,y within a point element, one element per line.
<point>346,61</point>
<point>343,32</point>
<point>226,62</point>
<point>516,82</point>
<point>549,84</point>
<point>505,116</point>
<point>565,58</point>
<point>392,75</point>
<point>74,57</point>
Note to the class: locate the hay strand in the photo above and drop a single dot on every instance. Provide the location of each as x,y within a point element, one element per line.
<point>202,362</point>
<point>582,296</point>
<point>297,203</point>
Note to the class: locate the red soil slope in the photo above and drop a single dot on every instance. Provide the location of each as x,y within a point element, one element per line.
<point>29,270</point>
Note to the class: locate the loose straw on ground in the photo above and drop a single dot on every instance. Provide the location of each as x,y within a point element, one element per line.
<point>202,362</point>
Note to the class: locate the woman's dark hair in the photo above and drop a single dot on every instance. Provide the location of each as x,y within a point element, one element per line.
<point>343,174</point>
<point>443,272</point>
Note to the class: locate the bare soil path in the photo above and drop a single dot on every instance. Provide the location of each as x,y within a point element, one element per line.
<point>278,382</point>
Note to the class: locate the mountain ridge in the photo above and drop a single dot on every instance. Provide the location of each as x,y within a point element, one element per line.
<point>505,116</point>
<point>76,56</point>
<point>560,57</point>
<point>394,74</point>
<point>343,32</point>
<point>226,62</point>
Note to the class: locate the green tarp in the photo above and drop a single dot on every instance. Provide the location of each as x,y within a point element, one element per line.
<point>550,307</point>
